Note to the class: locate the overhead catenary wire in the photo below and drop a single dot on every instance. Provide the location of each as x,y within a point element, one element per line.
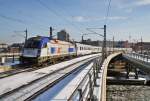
<point>17,20</point>
<point>107,12</point>
<point>69,14</point>
<point>59,16</point>
<point>12,19</point>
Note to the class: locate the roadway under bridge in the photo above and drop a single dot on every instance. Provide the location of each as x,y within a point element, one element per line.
<point>128,77</point>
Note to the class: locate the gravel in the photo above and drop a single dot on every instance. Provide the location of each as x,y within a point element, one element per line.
<point>128,93</point>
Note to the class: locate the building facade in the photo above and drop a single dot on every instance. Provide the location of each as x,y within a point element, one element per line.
<point>63,35</point>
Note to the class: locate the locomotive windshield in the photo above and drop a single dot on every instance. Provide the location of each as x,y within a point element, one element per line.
<point>32,44</point>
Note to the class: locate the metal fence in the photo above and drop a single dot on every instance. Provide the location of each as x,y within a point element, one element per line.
<point>142,57</point>
<point>84,91</point>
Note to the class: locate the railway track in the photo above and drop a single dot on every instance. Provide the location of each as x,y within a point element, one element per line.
<point>35,87</point>
<point>19,68</point>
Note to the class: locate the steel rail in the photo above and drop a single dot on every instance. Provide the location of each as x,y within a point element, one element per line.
<point>35,81</point>
<point>58,80</point>
<point>20,68</point>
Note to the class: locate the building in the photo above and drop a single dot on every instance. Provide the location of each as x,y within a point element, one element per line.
<point>3,45</point>
<point>141,46</point>
<point>117,44</point>
<point>122,44</point>
<point>16,47</point>
<point>90,42</point>
<point>63,35</point>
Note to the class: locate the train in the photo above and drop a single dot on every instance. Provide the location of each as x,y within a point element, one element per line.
<point>41,49</point>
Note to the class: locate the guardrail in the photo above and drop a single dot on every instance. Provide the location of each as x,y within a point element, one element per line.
<point>140,61</point>
<point>85,89</point>
<point>142,57</point>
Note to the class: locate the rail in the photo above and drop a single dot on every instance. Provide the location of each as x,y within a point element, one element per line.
<point>44,80</point>
<point>92,78</point>
<point>88,85</point>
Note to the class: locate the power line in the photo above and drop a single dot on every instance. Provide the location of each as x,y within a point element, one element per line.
<point>59,15</point>
<point>107,12</point>
<point>11,19</point>
<point>64,10</point>
<point>43,26</point>
<point>16,20</point>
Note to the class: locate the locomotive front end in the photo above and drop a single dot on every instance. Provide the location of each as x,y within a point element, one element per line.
<point>31,51</point>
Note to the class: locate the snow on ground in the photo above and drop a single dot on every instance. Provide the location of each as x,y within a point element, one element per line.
<point>15,81</point>
<point>63,90</point>
<point>63,64</point>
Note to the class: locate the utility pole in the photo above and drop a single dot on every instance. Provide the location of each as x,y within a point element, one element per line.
<point>26,34</point>
<point>141,45</point>
<point>51,32</point>
<point>104,53</point>
<point>113,43</point>
<point>130,42</point>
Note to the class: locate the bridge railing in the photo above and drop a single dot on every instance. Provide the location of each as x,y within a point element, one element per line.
<point>94,79</point>
<point>85,89</point>
<point>142,57</point>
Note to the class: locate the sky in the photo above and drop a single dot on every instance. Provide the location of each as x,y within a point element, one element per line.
<point>127,19</point>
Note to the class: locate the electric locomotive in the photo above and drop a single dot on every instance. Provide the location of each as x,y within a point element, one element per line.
<point>41,49</point>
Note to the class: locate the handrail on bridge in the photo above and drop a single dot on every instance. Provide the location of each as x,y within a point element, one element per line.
<point>85,89</point>
<point>142,57</point>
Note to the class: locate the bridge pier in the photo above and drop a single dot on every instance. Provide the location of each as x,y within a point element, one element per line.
<point>136,73</point>
<point>130,68</point>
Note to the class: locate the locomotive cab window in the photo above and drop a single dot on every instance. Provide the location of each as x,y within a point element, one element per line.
<point>31,44</point>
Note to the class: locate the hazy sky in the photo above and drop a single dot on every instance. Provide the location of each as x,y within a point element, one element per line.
<point>126,18</point>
